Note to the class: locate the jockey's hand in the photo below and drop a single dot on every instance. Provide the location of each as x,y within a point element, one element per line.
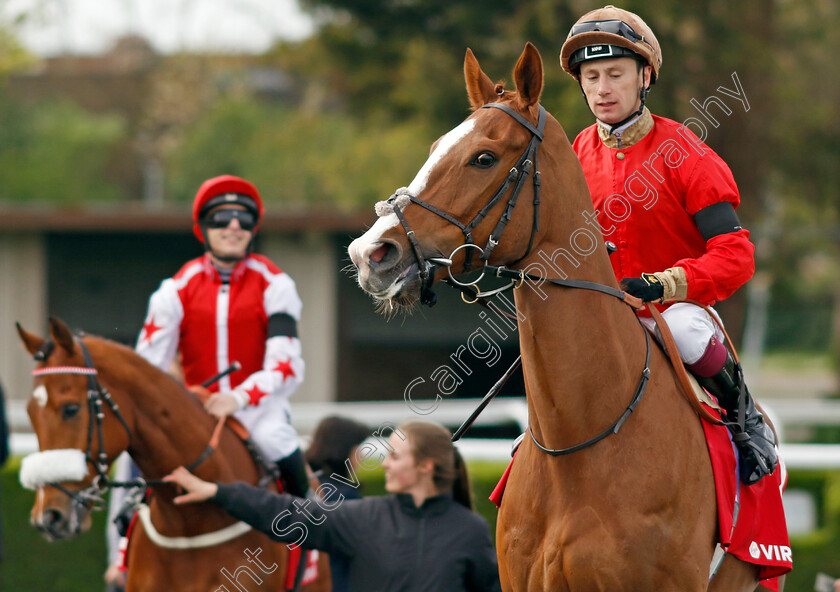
<point>201,392</point>
<point>115,576</point>
<point>197,489</point>
<point>647,287</point>
<point>222,404</point>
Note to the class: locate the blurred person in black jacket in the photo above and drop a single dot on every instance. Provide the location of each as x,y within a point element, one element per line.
<point>424,537</point>
<point>332,455</point>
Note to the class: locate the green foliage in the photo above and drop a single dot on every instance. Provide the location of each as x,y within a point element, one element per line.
<point>296,157</point>
<point>56,152</point>
<point>30,563</point>
<point>12,54</point>
<point>817,552</point>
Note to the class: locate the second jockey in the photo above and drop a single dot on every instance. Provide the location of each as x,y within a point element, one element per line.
<point>234,305</point>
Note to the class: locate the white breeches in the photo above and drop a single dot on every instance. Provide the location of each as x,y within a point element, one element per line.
<point>270,429</point>
<point>692,328</point>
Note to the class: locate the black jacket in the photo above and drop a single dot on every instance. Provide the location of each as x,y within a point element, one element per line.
<point>340,564</point>
<point>393,545</point>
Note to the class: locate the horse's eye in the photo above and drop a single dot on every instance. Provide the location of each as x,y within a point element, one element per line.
<point>70,410</point>
<point>484,160</point>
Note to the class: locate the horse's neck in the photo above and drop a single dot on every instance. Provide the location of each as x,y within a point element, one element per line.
<point>168,427</point>
<point>582,351</point>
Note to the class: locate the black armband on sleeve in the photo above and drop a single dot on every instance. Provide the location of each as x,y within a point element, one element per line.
<point>282,325</point>
<point>719,218</point>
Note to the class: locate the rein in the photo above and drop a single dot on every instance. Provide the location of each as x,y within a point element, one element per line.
<point>518,277</point>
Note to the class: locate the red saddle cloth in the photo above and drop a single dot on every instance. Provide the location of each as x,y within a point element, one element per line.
<point>311,573</point>
<point>759,536</point>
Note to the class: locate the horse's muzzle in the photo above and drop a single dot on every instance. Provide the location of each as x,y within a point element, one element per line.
<point>57,523</point>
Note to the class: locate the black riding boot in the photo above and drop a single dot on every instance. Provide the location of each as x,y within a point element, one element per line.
<point>293,473</point>
<point>756,444</point>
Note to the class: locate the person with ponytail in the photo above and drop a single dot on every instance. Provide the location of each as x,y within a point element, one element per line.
<point>423,537</point>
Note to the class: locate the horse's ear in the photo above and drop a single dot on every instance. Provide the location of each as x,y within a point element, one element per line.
<point>528,75</point>
<point>480,88</point>
<point>61,334</point>
<point>31,342</point>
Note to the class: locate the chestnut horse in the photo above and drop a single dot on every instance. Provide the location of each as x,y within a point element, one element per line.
<point>635,510</point>
<point>162,427</point>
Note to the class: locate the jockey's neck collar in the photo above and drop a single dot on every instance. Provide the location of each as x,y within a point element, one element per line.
<point>628,133</point>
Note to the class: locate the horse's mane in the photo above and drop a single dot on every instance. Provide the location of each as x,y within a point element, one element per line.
<point>137,364</point>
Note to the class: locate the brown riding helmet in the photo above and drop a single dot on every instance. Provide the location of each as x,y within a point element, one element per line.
<point>607,32</point>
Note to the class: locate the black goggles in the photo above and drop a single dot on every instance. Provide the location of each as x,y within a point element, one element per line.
<point>222,218</point>
<point>614,26</point>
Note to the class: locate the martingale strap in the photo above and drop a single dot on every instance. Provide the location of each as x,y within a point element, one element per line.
<point>518,277</point>
<point>613,429</point>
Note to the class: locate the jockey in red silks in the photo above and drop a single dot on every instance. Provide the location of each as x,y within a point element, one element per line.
<point>232,305</point>
<point>668,203</point>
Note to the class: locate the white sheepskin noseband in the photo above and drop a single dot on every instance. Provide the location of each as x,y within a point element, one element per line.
<point>52,466</point>
<point>383,208</point>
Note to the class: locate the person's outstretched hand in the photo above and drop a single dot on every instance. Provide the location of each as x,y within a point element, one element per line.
<point>197,489</point>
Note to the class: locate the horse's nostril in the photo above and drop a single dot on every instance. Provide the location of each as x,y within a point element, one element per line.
<point>379,254</point>
<point>52,518</point>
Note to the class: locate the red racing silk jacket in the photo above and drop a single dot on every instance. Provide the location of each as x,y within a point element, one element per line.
<point>645,197</point>
<point>252,320</point>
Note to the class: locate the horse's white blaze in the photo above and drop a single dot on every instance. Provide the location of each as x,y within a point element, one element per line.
<point>361,248</point>
<point>442,149</point>
<point>38,517</point>
<point>40,395</point>
<point>377,230</point>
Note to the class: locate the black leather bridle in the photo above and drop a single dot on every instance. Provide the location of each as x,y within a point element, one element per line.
<point>97,397</point>
<point>515,178</point>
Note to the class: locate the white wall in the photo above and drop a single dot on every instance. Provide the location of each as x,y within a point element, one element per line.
<point>23,298</point>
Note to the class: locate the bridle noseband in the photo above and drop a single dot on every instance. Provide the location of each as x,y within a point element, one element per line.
<point>516,178</point>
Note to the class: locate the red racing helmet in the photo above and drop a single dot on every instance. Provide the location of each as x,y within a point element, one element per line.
<point>223,190</point>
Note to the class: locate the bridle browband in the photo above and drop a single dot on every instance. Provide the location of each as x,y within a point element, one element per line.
<point>516,178</point>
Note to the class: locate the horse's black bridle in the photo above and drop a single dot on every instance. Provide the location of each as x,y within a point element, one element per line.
<point>96,395</point>
<point>516,177</point>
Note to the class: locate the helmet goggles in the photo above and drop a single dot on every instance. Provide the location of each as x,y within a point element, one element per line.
<point>221,218</point>
<point>613,26</point>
